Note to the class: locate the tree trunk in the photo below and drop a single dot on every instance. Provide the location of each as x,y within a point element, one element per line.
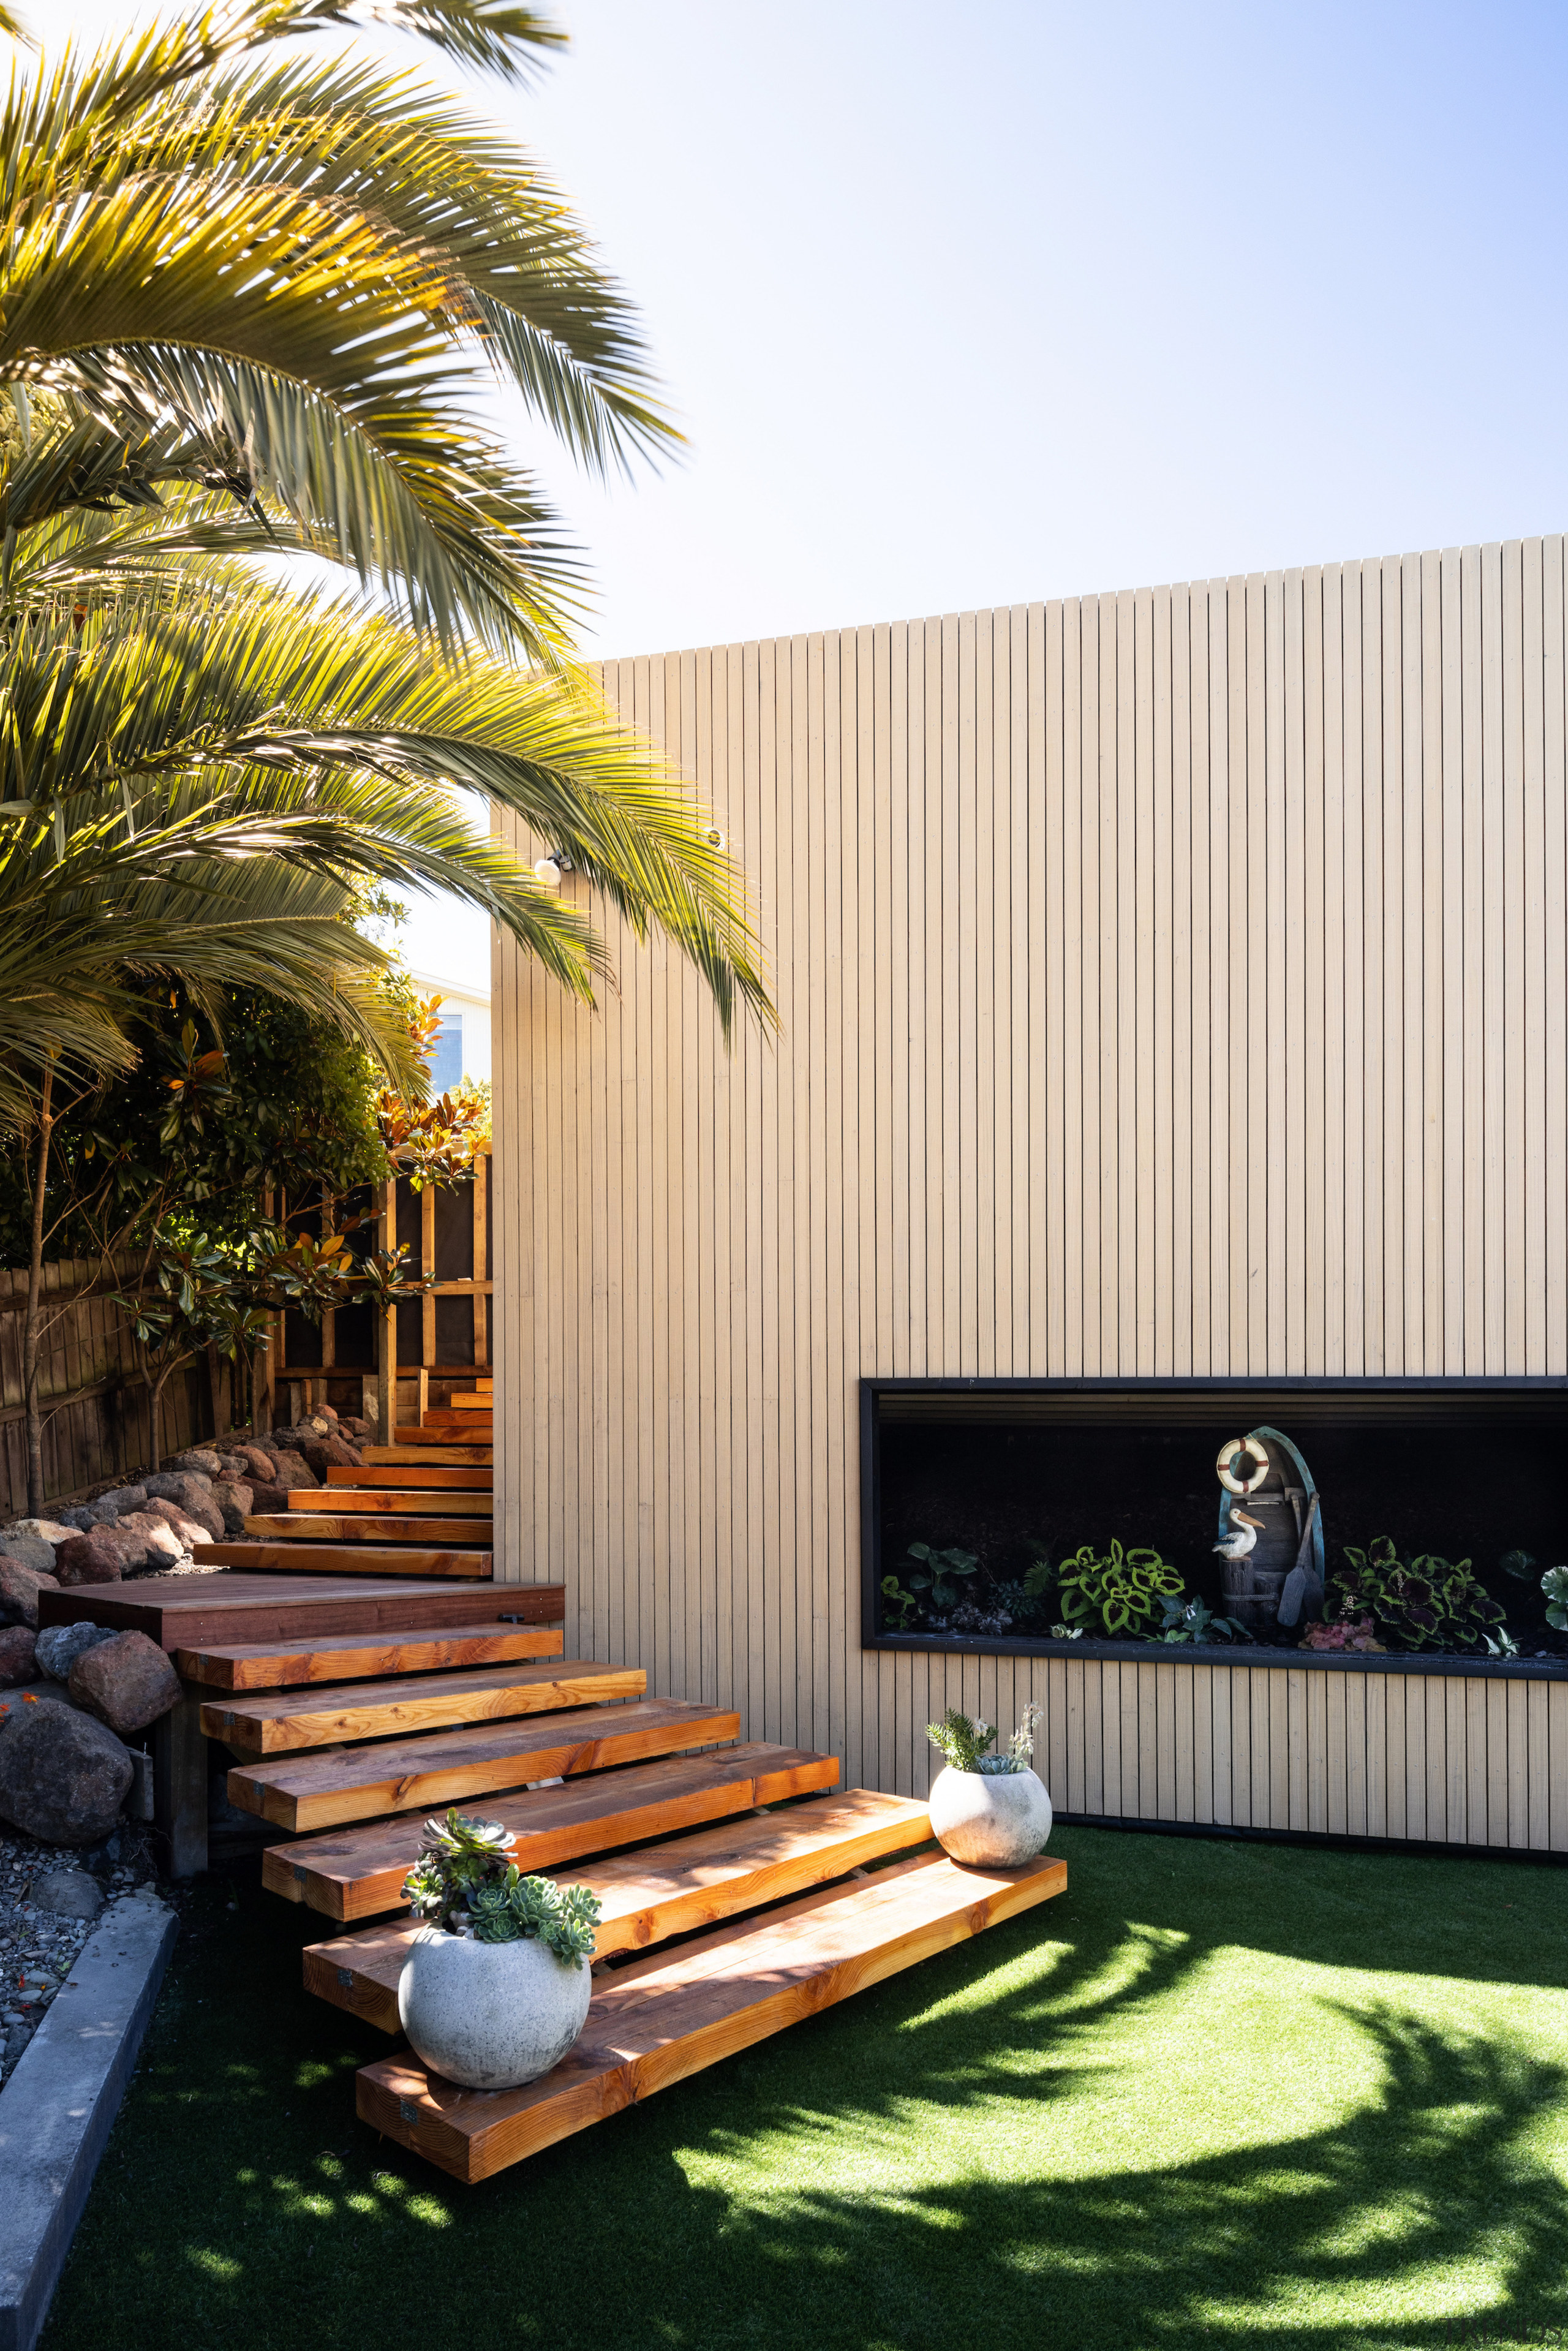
<point>34,1298</point>
<point>154,1402</point>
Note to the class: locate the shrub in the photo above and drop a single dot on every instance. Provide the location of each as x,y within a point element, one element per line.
<point>1426,1603</point>
<point>1119,1595</point>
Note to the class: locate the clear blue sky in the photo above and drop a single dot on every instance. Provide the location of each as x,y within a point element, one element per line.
<point>969,306</point>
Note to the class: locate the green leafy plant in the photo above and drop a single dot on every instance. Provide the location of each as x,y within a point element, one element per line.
<point>961,1743</point>
<point>1519,1563</point>
<point>1555,1585</point>
<point>464,1882</point>
<point>1119,1594</point>
<point>942,1573</point>
<point>1191,1621</point>
<point>1425,1603</point>
<point>906,1603</point>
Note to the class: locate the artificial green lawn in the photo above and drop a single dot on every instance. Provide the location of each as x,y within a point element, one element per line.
<point>1218,2093</point>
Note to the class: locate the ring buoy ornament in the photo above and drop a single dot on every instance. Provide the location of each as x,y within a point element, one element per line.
<point>1240,1446</point>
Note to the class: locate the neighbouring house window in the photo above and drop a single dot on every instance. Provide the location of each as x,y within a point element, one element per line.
<point>446,1067</point>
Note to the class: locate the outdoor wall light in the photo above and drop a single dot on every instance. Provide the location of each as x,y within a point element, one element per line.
<point>549,869</point>
<point>711,838</point>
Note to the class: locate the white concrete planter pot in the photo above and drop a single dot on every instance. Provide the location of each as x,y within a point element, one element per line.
<point>490,2015</point>
<point>992,1820</point>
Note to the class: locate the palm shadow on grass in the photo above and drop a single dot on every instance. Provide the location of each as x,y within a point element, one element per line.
<point>239,2195</point>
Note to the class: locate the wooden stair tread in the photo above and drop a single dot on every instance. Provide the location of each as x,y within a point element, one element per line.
<point>645,1896</point>
<point>324,1560</point>
<point>451,1501</point>
<point>416,1437</point>
<point>279,1526</point>
<point>279,1665</point>
<point>468,1400</point>
<point>356,1872</point>
<point>374,1456</point>
<point>426,1774</point>
<point>188,1611</point>
<point>712,1998</point>
<point>273,1722</point>
<point>422,1475</point>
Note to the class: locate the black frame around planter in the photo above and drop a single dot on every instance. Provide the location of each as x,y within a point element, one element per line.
<point>1158,1652</point>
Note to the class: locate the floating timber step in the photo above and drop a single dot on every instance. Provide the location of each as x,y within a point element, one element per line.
<point>356,1872</point>
<point>660,1890</point>
<point>275,1722</point>
<point>335,1559</point>
<point>190,1612</point>
<point>381,1502</point>
<point>654,2025</point>
<point>414,1477</point>
<point>428,1772</point>
<point>376,1456</point>
<point>454,1432</point>
<point>277,1526</point>
<point>469,1400</point>
<point>345,1657</point>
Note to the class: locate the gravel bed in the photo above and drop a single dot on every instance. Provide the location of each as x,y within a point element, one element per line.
<point>38,1946</point>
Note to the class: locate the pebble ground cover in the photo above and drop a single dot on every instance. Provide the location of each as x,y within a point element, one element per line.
<point>1218,2094</point>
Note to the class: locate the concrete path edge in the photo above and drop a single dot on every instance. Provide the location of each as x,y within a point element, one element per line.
<point>59,2107</point>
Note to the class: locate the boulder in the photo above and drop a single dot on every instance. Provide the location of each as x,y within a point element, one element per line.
<point>28,1551</point>
<point>63,1777</point>
<point>17,1660</point>
<point>293,1469</point>
<point>191,1493</point>
<point>121,1499</point>
<point>233,1470</point>
<point>186,1529</point>
<point>19,1590</point>
<point>199,1458</point>
<point>324,1412</point>
<point>152,1537</point>
<point>60,1646</point>
<point>127,1682</point>
<point>235,1501</point>
<point>324,1453</point>
<point>265,1500</point>
<point>258,1463</point>
<point>100,1556</point>
<point>68,1892</point>
<point>47,1530</point>
<point>81,1516</point>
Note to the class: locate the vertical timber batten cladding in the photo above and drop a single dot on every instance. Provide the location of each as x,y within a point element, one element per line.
<point>1173,986</point>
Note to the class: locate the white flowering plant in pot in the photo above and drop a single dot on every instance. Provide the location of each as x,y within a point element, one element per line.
<point>992,1812</point>
<point>496,1988</point>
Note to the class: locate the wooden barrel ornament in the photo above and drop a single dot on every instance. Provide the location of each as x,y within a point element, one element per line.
<point>1277,1584</point>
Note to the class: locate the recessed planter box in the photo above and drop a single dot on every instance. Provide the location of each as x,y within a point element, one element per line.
<point>1408,1746</point>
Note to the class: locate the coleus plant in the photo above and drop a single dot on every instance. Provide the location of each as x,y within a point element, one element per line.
<point>464,1882</point>
<point>1425,1603</point>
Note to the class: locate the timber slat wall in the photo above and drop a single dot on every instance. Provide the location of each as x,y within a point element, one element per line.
<point>1172,983</point>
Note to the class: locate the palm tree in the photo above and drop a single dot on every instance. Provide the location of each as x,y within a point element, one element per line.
<point>248,305</point>
<point>288,278</point>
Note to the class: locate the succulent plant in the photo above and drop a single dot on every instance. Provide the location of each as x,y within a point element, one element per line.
<point>464,1882</point>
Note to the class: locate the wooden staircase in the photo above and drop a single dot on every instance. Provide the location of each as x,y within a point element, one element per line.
<point>422,1506</point>
<point>741,1891</point>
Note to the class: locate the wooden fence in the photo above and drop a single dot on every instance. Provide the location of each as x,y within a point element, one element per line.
<point>94,1401</point>
<point>438,1341</point>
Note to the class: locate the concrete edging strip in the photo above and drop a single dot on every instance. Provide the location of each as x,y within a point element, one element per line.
<point>59,2105</point>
